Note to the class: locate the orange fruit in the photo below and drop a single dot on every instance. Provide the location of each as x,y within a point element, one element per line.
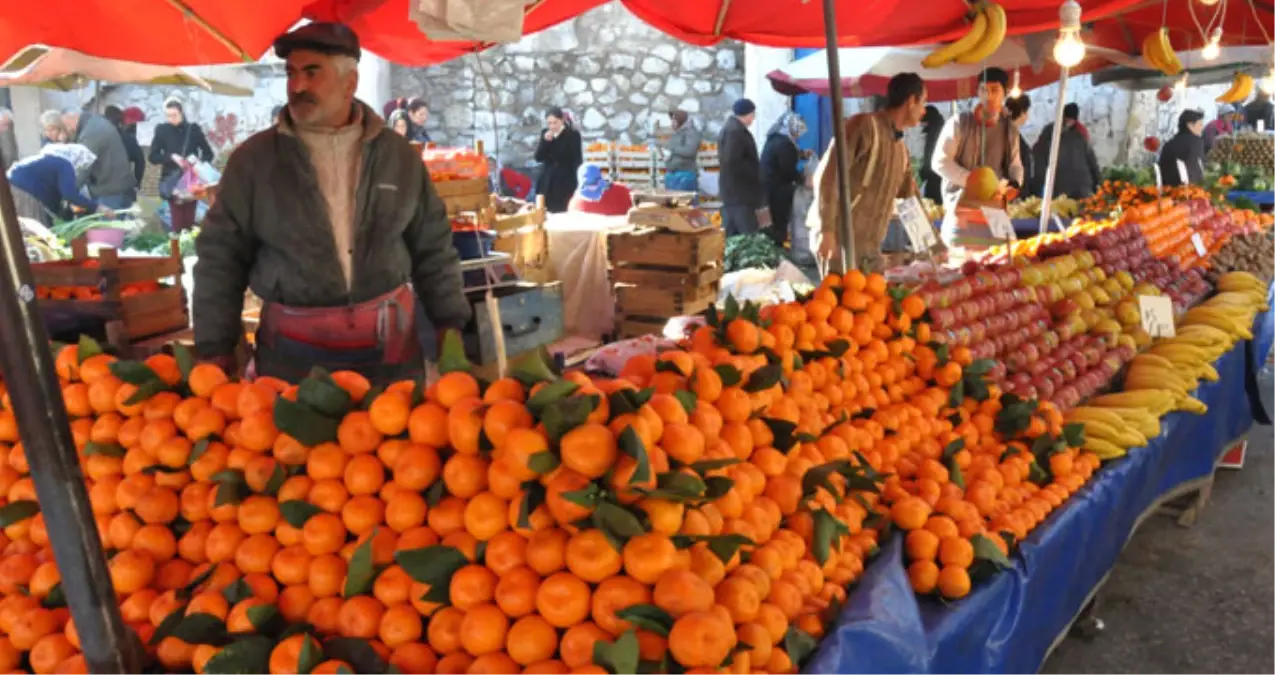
<point>700,639</point>
<point>563,600</point>
<point>591,557</point>
<point>483,629</point>
<point>680,591</point>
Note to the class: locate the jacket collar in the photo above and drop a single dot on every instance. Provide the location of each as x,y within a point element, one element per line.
<point>363,114</point>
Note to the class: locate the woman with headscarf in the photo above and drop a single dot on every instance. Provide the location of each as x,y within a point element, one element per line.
<point>681,168</point>
<point>598,195</point>
<point>1219,127</point>
<point>400,123</point>
<point>779,174</point>
<point>931,127</point>
<point>1186,149</point>
<point>560,154</point>
<point>43,181</point>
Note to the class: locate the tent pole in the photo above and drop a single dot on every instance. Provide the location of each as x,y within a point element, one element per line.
<point>107,644</point>
<point>845,233</point>
<point>1050,173</point>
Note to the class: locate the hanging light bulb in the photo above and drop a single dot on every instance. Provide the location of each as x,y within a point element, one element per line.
<point>1015,91</point>
<point>1180,85</point>
<point>1212,48</point>
<point>1069,50</point>
<point>1208,3</point>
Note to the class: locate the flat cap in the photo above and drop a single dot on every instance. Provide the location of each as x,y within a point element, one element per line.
<point>322,37</point>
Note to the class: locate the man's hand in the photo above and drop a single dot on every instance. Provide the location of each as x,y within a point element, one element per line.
<point>828,248</point>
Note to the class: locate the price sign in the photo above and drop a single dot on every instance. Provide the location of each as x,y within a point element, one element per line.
<point>1182,174</point>
<point>1159,180</point>
<point>999,223</point>
<point>917,225</point>
<point>1157,315</point>
<point>1200,248</point>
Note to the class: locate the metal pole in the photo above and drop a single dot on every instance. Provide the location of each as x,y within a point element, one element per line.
<point>845,233</point>
<point>1048,196</point>
<point>27,365</point>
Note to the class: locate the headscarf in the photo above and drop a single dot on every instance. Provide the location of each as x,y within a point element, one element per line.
<point>789,124</point>
<point>400,114</point>
<point>78,155</point>
<point>592,185</point>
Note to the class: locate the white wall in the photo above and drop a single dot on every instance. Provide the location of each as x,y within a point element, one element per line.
<point>770,104</point>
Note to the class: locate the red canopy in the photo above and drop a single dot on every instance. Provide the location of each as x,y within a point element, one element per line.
<point>150,31</point>
<point>876,23</point>
<point>384,28</point>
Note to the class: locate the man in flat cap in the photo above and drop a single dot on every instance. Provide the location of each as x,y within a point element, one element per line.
<point>332,220</point>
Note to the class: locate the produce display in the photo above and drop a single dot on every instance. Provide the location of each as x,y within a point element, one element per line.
<point>1063,207</point>
<point>1245,148</point>
<point>454,164</point>
<point>709,509</point>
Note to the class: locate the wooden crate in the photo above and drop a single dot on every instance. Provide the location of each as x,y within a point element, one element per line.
<point>658,278</point>
<point>464,195</point>
<point>668,251</point>
<point>664,302</point>
<point>126,319</point>
<point>528,248</point>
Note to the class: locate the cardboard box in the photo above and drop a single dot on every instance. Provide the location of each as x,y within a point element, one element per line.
<point>676,219</point>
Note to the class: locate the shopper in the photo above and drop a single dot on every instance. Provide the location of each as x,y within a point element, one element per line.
<point>1017,109</point>
<point>126,122</point>
<point>780,176</point>
<point>52,128</point>
<point>740,174</point>
<point>418,113</point>
<point>982,138</point>
<point>1219,127</point>
<point>681,168</point>
<point>598,195</point>
<point>1260,109</point>
<point>879,171</point>
<point>931,127</point>
<point>560,154</point>
<point>337,280</point>
<point>1185,149</point>
<point>1076,173</point>
<point>176,141</point>
<point>110,180</point>
<point>400,123</point>
<point>42,182</point>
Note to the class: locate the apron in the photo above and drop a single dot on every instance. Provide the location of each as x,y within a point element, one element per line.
<point>376,338</point>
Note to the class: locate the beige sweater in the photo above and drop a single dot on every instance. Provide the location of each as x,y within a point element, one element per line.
<point>337,155</point>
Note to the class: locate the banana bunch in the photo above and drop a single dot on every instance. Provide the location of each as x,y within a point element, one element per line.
<point>984,37</point>
<point>1241,89</point>
<point>1158,374</point>
<point>1246,283</point>
<point>1157,50</point>
<point>1110,432</point>
<point>1157,402</point>
<point>1225,313</point>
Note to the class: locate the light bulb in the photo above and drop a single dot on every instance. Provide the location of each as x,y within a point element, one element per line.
<point>1015,91</point>
<point>1208,3</point>
<point>1069,50</point>
<point>1213,47</point>
<point>1180,85</point>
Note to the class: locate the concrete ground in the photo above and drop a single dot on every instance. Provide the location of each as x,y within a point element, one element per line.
<point>1199,599</point>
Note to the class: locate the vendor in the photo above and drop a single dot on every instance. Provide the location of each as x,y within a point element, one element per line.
<point>332,220</point>
<point>984,137</point>
<point>598,195</point>
<point>879,171</point>
<point>681,168</point>
<point>1186,148</point>
<point>43,181</point>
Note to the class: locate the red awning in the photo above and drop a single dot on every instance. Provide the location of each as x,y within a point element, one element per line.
<point>384,28</point>
<point>867,23</point>
<point>150,31</point>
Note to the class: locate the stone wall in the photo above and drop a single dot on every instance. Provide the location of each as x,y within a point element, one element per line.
<point>616,75</point>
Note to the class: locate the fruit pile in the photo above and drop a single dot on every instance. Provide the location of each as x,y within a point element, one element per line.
<point>454,164</point>
<point>705,510</point>
<point>1250,252</point>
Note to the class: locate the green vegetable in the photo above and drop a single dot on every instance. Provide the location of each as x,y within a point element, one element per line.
<point>748,251</point>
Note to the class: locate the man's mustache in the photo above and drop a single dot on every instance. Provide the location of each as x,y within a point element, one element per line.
<point>302,97</point>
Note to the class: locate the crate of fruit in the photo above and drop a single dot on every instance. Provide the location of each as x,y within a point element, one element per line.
<point>131,298</point>
<point>659,250</point>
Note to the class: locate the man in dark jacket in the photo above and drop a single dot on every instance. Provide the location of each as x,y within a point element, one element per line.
<point>1076,174</point>
<point>1260,109</point>
<point>126,121</point>
<point>333,221</point>
<point>740,179</point>
<point>1184,150</point>
<point>111,180</point>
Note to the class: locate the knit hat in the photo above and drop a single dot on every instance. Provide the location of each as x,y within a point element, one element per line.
<point>743,107</point>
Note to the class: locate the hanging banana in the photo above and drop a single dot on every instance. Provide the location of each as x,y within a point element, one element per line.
<point>1165,54</point>
<point>988,28</point>
<point>1241,89</point>
<point>1149,53</point>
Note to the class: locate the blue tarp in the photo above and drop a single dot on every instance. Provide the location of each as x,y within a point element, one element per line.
<point>1260,198</point>
<point>1010,621</point>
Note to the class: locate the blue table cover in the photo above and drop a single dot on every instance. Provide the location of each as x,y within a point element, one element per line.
<point>1260,198</point>
<point>1009,622</point>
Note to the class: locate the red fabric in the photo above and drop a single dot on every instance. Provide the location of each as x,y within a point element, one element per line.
<point>519,183</point>
<point>874,23</point>
<point>615,202</point>
<point>149,31</point>
<point>384,28</point>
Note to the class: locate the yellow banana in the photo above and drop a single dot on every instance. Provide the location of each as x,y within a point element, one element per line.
<point>1165,374</point>
<point>1166,54</point>
<point>1104,449</point>
<point>1137,379</point>
<point>1192,405</point>
<point>1246,88</point>
<point>1233,94</point>
<point>1240,277</point>
<point>1155,401</point>
<point>948,52</point>
<point>1086,413</point>
<point>1139,418</point>
<point>1123,435</point>
<point>992,37</point>
<point>1149,53</point>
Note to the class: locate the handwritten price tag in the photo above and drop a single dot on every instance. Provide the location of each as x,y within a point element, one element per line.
<point>1157,315</point>
<point>999,223</point>
<point>1182,174</point>
<point>1198,242</point>
<point>917,225</point>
